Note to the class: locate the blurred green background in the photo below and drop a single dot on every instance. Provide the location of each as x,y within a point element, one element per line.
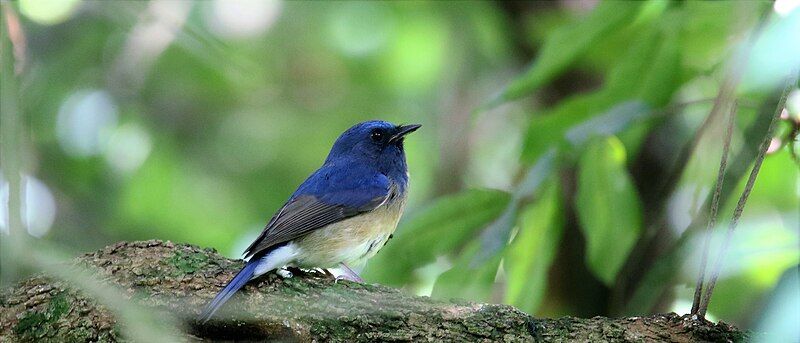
<point>548,172</point>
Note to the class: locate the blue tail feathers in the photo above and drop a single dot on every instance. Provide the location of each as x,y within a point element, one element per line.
<point>237,283</point>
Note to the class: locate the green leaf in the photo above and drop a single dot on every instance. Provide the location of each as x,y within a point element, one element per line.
<point>608,207</point>
<point>495,237</point>
<point>531,252</point>
<point>615,120</point>
<point>548,128</point>
<point>648,74</point>
<point>658,86</point>
<point>708,27</point>
<point>466,280</point>
<point>437,229</point>
<point>568,43</point>
<point>474,272</point>
<point>663,73</point>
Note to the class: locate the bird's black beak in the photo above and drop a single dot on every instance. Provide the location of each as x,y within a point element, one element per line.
<point>402,130</point>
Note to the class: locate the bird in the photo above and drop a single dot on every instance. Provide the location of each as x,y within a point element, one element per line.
<point>341,215</point>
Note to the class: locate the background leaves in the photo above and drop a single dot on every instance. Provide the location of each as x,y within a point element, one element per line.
<point>607,206</point>
<point>548,131</point>
<point>565,44</point>
<point>530,253</point>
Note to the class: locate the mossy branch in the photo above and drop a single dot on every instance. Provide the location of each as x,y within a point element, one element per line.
<point>178,279</point>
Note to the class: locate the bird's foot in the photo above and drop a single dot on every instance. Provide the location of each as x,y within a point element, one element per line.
<point>284,273</point>
<point>350,278</point>
<point>349,275</point>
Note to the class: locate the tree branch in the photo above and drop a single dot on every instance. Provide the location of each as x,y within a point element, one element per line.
<point>179,279</point>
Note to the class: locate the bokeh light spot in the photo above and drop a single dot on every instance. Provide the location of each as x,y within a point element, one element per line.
<point>242,18</point>
<point>85,122</point>
<point>48,12</point>
<point>359,29</point>
<point>775,54</point>
<point>784,7</point>
<point>416,59</point>
<point>38,210</point>
<point>793,104</point>
<point>128,147</point>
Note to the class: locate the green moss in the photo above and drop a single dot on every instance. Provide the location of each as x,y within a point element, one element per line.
<point>333,330</point>
<point>31,325</point>
<point>478,325</point>
<point>188,263</point>
<point>77,335</point>
<point>36,323</point>
<point>58,306</point>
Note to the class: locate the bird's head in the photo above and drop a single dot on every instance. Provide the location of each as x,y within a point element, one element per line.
<point>375,141</point>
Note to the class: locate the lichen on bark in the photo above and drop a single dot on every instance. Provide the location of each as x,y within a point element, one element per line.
<point>179,279</point>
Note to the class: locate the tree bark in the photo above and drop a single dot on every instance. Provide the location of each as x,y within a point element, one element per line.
<point>179,279</point>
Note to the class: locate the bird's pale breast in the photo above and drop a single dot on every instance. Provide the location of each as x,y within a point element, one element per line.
<point>353,240</point>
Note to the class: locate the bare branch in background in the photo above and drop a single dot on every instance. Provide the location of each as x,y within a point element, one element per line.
<point>656,229</point>
<point>10,136</point>
<point>737,213</point>
<point>712,218</point>
<point>16,36</point>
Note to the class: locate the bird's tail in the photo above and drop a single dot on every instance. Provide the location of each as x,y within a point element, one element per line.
<point>237,283</point>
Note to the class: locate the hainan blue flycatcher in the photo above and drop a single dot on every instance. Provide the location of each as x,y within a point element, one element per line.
<point>341,215</point>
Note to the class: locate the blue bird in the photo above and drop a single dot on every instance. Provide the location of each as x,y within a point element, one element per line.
<point>341,215</point>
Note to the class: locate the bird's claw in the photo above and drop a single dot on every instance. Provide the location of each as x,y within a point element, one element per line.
<point>284,273</point>
<point>350,278</point>
<point>349,274</point>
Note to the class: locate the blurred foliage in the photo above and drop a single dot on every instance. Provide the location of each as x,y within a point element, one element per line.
<point>539,186</point>
<point>604,187</point>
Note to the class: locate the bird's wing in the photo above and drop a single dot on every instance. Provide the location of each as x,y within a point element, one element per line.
<point>315,209</point>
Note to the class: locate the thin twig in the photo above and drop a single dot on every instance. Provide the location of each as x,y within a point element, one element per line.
<point>737,213</point>
<point>653,285</point>
<point>712,219</point>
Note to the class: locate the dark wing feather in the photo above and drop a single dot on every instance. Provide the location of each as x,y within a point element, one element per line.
<point>302,215</point>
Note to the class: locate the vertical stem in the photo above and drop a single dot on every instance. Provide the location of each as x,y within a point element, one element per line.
<point>9,140</point>
<point>737,213</point>
<point>712,219</point>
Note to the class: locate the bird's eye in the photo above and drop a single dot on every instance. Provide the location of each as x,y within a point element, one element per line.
<point>376,136</point>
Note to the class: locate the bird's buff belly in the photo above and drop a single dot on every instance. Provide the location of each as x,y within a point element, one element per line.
<point>351,241</point>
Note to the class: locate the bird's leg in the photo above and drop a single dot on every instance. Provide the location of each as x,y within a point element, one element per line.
<point>349,274</point>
